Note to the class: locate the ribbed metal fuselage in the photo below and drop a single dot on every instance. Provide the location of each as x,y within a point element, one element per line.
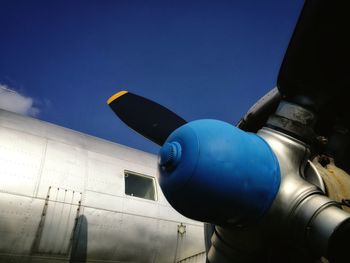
<point>62,199</point>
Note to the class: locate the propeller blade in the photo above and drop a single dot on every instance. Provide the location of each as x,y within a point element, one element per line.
<point>258,114</point>
<point>146,117</point>
<point>315,69</point>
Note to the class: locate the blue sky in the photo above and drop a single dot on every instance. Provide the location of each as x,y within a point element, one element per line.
<point>201,59</point>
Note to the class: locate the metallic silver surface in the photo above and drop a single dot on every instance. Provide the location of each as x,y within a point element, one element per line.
<point>302,224</point>
<point>62,199</point>
<point>292,156</point>
<point>300,210</point>
<point>321,217</point>
<point>313,176</point>
<point>239,245</point>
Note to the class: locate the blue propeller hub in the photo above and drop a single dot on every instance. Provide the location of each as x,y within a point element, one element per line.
<point>214,172</point>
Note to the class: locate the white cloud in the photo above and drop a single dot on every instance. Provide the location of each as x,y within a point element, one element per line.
<point>11,100</point>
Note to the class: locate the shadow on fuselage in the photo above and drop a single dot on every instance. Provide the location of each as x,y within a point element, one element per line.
<point>79,244</point>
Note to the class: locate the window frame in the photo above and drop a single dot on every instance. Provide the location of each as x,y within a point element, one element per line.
<point>154,184</point>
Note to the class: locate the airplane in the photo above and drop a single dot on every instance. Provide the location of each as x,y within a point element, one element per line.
<point>275,187</point>
<point>66,196</point>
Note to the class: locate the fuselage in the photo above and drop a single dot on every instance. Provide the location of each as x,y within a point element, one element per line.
<point>70,197</point>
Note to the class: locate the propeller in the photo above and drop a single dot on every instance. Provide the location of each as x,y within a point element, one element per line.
<point>315,73</point>
<point>315,69</point>
<point>146,117</point>
<point>233,177</point>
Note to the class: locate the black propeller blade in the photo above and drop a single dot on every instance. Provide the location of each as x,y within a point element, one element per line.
<point>315,69</point>
<point>146,117</point>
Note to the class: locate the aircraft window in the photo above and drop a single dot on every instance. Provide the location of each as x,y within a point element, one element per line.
<point>140,186</point>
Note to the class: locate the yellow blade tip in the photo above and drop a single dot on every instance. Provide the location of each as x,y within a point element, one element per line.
<point>116,96</point>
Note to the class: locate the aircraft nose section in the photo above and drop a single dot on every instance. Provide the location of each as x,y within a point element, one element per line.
<point>211,171</point>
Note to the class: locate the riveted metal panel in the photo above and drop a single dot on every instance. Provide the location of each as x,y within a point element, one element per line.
<point>105,174</point>
<point>104,237</point>
<point>139,235</point>
<point>58,220</point>
<point>141,207</point>
<point>166,212</point>
<point>166,242</point>
<point>191,242</point>
<point>103,201</point>
<point>20,161</point>
<point>121,152</point>
<point>15,214</point>
<point>64,166</point>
